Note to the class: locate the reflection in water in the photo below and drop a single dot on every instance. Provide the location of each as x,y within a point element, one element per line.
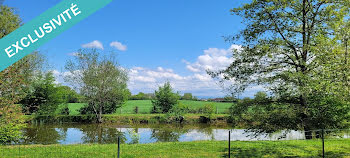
<point>105,134</point>
<point>44,135</point>
<point>165,134</point>
<point>101,135</point>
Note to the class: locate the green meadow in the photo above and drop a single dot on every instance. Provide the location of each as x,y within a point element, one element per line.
<point>145,106</point>
<point>196,149</point>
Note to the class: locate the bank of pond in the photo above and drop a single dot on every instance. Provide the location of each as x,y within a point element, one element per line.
<point>130,119</point>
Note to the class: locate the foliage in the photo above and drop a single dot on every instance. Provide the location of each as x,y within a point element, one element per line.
<point>43,97</point>
<point>165,99</point>
<point>14,81</point>
<point>255,113</point>
<point>100,80</point>
<point>195,98</point>
<point>177,112</point>
<point>208,110</point>
<point>187,96</point>
<point>142,96</point>
<point>64,110</point>
<point>69,95</point>
<point>11,123</point>
<point>290,47</point>
<point>230,99</point>
<point>9,21</point>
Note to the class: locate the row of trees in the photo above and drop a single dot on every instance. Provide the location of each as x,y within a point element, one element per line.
<point>142,96</point>
<point>150,96</point>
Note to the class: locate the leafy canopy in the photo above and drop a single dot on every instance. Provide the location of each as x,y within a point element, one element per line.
<point>101,81</point>
<point>14,81</point>
<point>289,46</point>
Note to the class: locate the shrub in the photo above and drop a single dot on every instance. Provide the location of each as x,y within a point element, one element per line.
<point>165,99</point>
<point>208,109</point>
<point>11,124</point>
<point>176,113</point>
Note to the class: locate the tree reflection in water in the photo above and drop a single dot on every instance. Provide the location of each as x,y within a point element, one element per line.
<point>134,135</point>
<point>168,134</point>
<point>43,134</point>
<point>102,135</point>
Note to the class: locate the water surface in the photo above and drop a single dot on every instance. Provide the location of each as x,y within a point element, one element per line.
<point>141,134</point>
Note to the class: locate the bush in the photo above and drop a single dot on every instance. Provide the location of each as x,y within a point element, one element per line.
<point>208,109</point>
<point>11,124</point>
<point>165,99</point>
<point>176,113</point>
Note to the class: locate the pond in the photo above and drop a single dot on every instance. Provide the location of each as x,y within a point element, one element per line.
<point>141,134</point>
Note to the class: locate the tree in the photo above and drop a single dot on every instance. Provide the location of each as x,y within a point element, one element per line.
<point>281,50</point>
<point>208,109</point>
<point>187,96</point>
<point>139,96</point>
<point>14,82</point>
<point>165,99</point>
<point>100,80</point>
<point>44,96</point>
<point>68,94</point>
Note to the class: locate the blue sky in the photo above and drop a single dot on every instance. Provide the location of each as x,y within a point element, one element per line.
<point>156,40</point>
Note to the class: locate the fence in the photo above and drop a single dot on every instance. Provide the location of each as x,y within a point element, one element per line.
<point>324,143</point>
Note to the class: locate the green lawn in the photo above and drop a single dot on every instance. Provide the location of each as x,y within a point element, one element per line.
<point>199,149</point>
<point>145,106</point>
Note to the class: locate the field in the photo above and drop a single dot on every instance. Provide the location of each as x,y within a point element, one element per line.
<point>145,106</point>
<point>294,148</point>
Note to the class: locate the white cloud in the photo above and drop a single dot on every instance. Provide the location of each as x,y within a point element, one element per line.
<point>212,59</point>
<point>191,68</point>
<point>118,46</point>
<point>147,80</point>
<point>94,44</point>
<point>198,82</point>
<point>203,77</point>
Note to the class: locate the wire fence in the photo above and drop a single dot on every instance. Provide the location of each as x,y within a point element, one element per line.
<point>324,143</point>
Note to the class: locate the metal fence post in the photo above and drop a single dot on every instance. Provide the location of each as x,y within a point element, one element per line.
<point>323,143</point>
<point>229,143</point>
<point>118,146</point>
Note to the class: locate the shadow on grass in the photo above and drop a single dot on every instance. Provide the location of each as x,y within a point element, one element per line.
<point>266,150</point>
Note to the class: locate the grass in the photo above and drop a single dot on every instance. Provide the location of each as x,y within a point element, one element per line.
<point>202,149</point>
<point>145,106</point>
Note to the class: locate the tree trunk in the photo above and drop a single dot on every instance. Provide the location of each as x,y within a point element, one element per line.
<point>99,115</point>
<point>308,133</point>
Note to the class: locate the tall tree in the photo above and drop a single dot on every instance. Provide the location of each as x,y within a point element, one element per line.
<point>279,50</point>
<point>14,81</point>
<point>100,80</point>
